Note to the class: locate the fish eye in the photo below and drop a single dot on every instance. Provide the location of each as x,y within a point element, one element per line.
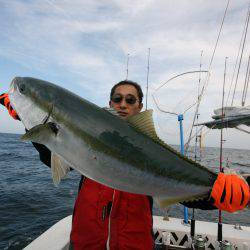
<point>22,88</point>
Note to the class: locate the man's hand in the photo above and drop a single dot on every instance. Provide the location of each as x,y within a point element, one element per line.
<point>230,192</point>
<point>5,101</point>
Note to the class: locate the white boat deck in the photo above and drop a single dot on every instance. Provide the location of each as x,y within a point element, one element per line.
<point>55,238</point>
<point>176,232</point>
<point>171,232</point>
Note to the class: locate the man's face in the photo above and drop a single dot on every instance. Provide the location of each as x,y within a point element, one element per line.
<point>124,107</point>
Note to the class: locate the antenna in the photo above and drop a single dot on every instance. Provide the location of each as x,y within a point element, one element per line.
<point>147,79</point>
<point>127,66</point>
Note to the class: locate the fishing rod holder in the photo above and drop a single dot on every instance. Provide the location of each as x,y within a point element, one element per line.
<point>199,243</point>
<point>180,119</point>
<point>226,245</point>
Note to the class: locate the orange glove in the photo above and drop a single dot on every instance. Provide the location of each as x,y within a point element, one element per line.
<point>230,192</point>
<point>4,100</point>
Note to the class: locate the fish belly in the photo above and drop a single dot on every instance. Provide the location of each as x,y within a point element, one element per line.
<point>115,173</point>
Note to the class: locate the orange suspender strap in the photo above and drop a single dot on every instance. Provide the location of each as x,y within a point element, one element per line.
<point>4,99</point>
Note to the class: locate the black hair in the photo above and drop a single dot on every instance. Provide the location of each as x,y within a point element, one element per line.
<point>128,82</point>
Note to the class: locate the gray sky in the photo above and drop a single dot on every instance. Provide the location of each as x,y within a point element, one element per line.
<point>83,46</point>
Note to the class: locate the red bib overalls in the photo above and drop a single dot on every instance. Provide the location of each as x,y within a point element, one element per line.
<point>105,218</point>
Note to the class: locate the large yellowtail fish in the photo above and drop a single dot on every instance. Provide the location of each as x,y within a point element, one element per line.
<point>125,155</point>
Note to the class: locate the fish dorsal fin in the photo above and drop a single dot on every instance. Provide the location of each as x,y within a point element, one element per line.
<point>111,110</point>
<point>143,122</point>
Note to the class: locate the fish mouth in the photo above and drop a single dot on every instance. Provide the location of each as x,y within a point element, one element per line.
<point>14,85</point>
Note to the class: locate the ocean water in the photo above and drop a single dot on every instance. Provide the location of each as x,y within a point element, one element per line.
<point>30,203</point>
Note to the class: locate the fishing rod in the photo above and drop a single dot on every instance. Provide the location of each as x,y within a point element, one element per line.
<point>192,228</point>
<point>244,93</point>
<point>147,79</point>
<point>219,235</point>
<point>127,66</point>
<point>238,55</point>
<point>242,51</point>
<point>196,114</point>
<point>204,87</point>
<point>197,111</point>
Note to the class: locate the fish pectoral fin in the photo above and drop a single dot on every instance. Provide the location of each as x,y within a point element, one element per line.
<point>59,168</point>
<point>41,133</point>
<point>165,202</point>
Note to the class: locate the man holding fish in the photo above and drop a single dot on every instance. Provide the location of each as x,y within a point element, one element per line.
<point>107,218</point>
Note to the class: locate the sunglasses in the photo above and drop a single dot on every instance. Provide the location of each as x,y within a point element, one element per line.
<point>130,99</point>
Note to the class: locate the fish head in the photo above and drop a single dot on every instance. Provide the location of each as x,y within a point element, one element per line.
<point>31,100</point>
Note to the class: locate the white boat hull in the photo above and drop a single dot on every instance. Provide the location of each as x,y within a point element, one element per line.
<point>171,232</point>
